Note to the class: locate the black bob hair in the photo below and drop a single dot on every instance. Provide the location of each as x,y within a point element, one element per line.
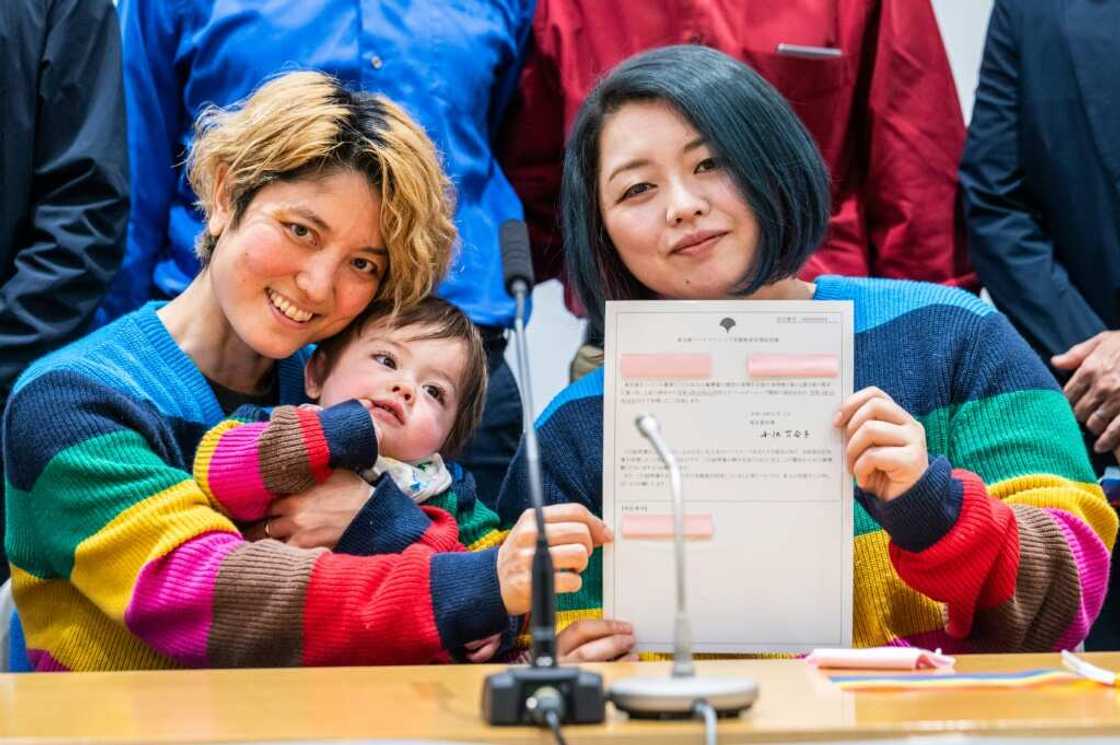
<point>749,126</point>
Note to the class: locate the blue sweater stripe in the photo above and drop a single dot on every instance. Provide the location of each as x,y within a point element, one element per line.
<point>878,301</point>
<point>589,386</point>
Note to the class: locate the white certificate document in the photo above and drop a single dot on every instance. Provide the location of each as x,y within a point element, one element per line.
<point>745,393</point>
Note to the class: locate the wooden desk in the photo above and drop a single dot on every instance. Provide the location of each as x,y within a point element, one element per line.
<point>796,703</point>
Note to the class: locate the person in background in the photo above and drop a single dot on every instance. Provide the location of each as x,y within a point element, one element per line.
<point>870,80</point>
<point>1041,183</point>
<point>452,66</point>
<point>64,172</point>
<point>979,525</point>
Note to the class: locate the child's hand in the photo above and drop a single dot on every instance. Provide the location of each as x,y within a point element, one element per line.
<point>481,650</point>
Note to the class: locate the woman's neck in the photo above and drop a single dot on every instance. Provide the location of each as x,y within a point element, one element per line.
<point>200,328</point>
<point>790,288</point>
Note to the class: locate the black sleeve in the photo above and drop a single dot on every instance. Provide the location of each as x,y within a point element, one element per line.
<point>78,190</point>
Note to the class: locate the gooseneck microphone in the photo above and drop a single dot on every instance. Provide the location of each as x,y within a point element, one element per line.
<point>682,630</point>
<point>544,693</point>
<point>518,266</point>
<point>683,694</point>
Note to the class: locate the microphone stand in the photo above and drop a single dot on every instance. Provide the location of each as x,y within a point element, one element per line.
<point>543,693</point>
<point>683,693</point>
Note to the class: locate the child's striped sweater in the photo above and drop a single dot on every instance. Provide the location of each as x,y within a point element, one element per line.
<point>1004,543</point>
<point>259,454</point>
<point>120,560</point>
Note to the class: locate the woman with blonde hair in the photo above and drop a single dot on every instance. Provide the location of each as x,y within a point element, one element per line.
<point>317,201</point>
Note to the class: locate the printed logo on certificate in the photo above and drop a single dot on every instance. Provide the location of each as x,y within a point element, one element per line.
<point>745,392</point>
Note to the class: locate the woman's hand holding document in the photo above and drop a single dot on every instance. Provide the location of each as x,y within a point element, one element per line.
<point>886,450</point>
<point>746,394</point>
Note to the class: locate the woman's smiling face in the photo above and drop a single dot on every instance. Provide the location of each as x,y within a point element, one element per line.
<point>304,259</point>
<point>673,213</point>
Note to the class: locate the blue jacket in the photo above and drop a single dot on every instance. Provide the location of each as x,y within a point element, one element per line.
<point>1041,169</point>
<point>452,65</point>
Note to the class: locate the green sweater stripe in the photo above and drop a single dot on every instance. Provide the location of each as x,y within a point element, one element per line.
<point>1045,439</point>
<point>91,483</point>
<point>590,596</point>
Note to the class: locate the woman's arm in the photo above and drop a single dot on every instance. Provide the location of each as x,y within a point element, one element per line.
<point>245,462</point>
<point>1008,528</point>
<point>110,537</point>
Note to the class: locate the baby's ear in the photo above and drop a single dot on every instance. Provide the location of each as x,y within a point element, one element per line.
<point>313,375</point>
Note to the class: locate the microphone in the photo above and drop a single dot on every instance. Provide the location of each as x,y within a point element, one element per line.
<point>682,694</point>
<point>682,630</point>
<point>543,692</point>
<point>517,261</point>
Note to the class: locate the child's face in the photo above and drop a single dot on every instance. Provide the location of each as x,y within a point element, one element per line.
<point>413,385</point>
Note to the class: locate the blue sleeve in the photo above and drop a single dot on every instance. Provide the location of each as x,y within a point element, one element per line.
<point>1010,247</point>
<point>389,523</point>
<point>151,32</point>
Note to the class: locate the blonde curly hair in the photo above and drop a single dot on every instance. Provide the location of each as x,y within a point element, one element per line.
<point>307,125</point>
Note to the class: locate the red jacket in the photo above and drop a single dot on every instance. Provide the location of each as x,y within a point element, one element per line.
<point>885,115</point>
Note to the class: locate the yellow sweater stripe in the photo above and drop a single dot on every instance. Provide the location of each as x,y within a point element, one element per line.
<point>59,619</point>
<point>107,564</point>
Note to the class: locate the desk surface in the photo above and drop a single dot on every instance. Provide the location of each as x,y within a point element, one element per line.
<point>797,702</point>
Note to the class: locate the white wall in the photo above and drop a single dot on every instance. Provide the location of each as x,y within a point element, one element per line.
<point>554,334</point>
<point>963,25</point>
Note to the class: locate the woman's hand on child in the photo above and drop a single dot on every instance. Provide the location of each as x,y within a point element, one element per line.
<point>886,450</point>
<point>573,532</point>
<point>319,516</point>
<point>596,640</point>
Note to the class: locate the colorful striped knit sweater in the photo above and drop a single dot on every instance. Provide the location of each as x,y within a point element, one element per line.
<point>1004,543</point>
<point>121,561</point>
<point>258,454</point>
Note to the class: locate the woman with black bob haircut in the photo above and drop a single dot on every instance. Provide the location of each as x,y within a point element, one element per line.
<point>767,153</point>
<point>979,525</point>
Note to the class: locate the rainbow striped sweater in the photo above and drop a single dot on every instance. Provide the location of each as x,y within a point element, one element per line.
<point>259,454</point>
<point>121,561</point>
<point>1004,543</point>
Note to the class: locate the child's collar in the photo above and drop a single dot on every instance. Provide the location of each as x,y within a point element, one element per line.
<point>421,479</point>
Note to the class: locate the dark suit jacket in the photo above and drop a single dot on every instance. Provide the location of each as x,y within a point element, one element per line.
<point>63,172</point>
<point>1041,169</point>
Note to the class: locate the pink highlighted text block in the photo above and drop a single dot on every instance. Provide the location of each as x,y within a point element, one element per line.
<point>793,366</point>
<point>642,525</point>
<point>666,366</point>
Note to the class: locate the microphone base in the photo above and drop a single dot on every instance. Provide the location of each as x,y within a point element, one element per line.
<point>504,694</point>
<point>670,698</point>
